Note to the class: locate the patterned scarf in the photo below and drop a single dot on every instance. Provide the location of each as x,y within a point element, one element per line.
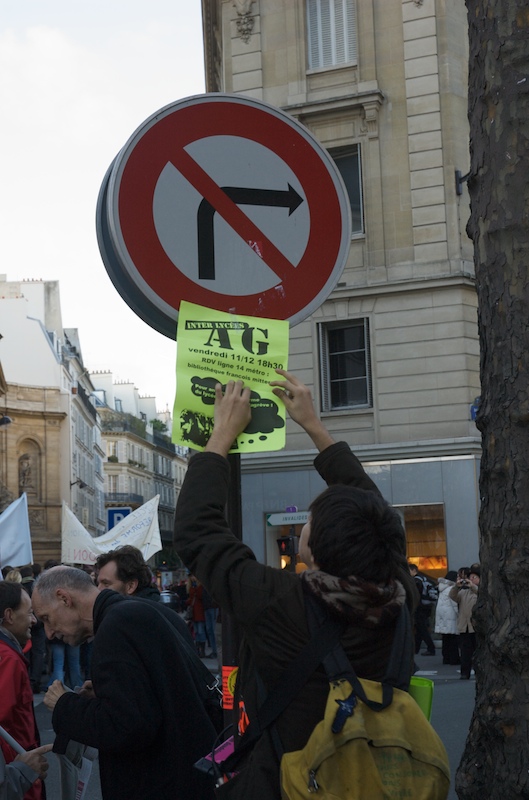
<point>355,600</point>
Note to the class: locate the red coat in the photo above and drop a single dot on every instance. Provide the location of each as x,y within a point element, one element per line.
<point>17,715</point>
<point>195,601</point>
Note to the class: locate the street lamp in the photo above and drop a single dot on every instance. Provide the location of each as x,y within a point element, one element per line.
<point>5,420</point>
<point>82,484</point>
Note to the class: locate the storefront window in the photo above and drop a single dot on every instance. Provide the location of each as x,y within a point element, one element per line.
<point>426,537</point>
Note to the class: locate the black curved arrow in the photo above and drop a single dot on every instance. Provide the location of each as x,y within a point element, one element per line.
<point>242,197</point>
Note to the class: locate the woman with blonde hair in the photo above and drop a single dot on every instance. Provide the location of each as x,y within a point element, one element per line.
<point>14,576</point>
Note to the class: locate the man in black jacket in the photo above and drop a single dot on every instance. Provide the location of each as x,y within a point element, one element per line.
<point>146,718</point>
<point>124,570</point>
<point>354,546</point>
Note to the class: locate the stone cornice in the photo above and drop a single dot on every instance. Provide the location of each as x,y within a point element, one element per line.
<point>405,285</point>
<point>17,412</point>
<point>431,450</point>
<point>330,105</point>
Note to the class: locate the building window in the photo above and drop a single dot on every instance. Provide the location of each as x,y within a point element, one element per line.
<point>345,365</point>
<point>350,168</point>
<point>331,32</point>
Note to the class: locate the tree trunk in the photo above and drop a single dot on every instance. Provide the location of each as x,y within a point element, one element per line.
<point>495,763</point>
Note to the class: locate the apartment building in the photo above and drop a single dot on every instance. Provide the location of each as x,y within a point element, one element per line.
<point>392,355</point>
<point>52,447</point>
<point>140,459</point>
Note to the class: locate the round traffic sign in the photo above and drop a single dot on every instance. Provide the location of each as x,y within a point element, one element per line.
<point>226,202</point>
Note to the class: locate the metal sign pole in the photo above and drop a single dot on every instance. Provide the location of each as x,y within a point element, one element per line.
<point>230,630</point>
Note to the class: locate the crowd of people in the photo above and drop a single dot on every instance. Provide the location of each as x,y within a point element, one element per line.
<point>138,700</point>
<point>451,614</point>
<point>144,694</point>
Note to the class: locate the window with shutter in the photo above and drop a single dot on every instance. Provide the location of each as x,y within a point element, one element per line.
<point>331,32</point>
<point>345,365</point>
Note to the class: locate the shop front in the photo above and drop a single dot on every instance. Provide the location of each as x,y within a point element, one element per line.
<point>436,495</point>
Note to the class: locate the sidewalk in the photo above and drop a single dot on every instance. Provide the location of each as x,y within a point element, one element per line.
<point>453,704</point>
<point>433,667</point>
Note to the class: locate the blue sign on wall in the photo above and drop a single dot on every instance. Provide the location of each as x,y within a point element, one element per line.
<point>115,515</point>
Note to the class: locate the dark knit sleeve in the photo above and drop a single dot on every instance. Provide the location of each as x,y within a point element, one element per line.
<point>203,540</point>
<point>338,464</point>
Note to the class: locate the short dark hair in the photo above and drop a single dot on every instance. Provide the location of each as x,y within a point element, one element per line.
<point>27,571</point>
<point>10,596</point>
<point>356,532</point>
<point>130,565</point>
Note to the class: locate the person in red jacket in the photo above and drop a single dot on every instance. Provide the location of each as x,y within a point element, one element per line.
<point>17,715</point>
<point>194,591</point>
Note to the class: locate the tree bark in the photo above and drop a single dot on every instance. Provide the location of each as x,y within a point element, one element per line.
<point>495,763</point>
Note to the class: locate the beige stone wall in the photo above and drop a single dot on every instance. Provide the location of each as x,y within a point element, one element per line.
<point>410,273</point>
<point>424,356</point>
<point>35,430</point>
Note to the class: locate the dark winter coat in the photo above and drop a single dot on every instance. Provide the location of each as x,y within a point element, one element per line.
<point>153,595</point>
<point>268,605</point>
<point>147,719</point>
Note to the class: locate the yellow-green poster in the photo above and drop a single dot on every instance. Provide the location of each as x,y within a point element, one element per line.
<point>215,347</point>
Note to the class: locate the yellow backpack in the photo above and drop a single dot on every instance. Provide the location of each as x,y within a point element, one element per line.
<point>371,755</point>
<point>374,742</point>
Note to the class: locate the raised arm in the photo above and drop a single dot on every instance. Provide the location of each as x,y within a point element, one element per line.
<point>232,415</point>
<point>297,399</point>
<point>336,463</point>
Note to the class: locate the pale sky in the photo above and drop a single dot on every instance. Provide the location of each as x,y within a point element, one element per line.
<point>76,80</point>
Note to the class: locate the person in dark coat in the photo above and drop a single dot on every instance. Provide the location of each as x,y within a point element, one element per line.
<point>354,546</point>
<point>124,570</point>
<point>423,614</point>
<point>145,716</point>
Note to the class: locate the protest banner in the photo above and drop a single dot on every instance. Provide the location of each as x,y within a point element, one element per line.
<point>15,536</point>
<point>215,347</point>
<point>140,529</point>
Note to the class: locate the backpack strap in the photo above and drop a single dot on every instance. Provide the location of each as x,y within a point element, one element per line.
<point>324,638</point>
<point>337,665</point>
<point>324,647</point>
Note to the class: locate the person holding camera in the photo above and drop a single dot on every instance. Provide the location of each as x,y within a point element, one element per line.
<point>465,594</point>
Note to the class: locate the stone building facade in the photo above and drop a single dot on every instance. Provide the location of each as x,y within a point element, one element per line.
<point>140,460</point>
<point>392,355</point>
<point>52,448</point>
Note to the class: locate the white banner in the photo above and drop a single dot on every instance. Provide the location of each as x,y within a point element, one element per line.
<point>15,536</point>
<point>140,529</point>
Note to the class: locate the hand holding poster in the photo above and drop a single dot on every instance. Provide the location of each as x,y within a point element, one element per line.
<point>215,347</point>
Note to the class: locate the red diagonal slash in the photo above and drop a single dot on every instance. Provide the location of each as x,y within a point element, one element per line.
<point>232,214</point>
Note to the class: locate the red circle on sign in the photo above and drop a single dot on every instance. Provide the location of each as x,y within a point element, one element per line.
<point>163,139</point>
